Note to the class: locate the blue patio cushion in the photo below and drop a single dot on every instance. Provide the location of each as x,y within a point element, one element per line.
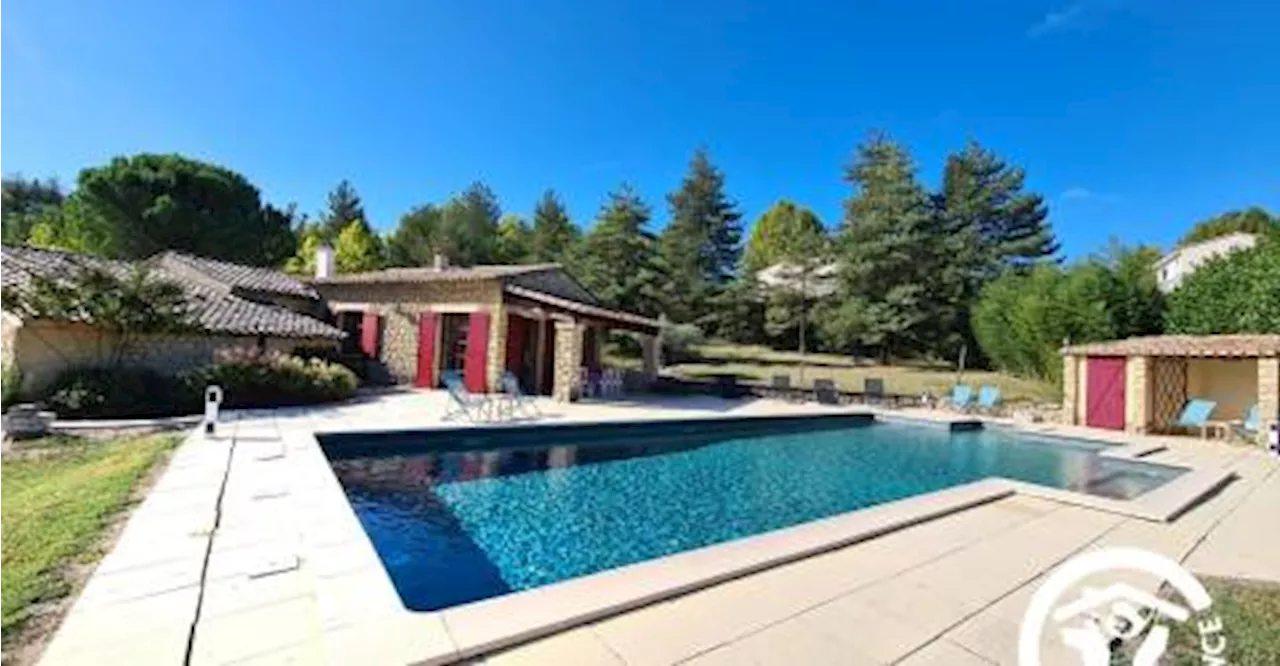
<point>961,394</point>
<point>988,396</point>
<point>1196,413</point>
<point>1253,419</point>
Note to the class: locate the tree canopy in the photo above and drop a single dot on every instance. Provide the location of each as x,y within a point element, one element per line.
<point>617,259</point>
<point>1235,293</point>
<point>343,206</point>
<point>25,203</point>
<point>702,242</point>
<point>782,233</point>
<point>136,206</point>
<point>1254,220</point>
<point>553,233</point>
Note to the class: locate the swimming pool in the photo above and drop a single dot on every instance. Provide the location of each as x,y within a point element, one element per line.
<point>463,515</point>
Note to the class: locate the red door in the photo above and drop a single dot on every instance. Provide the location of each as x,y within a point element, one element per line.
<point>1105,393</point>
<point>475,367</point>
<point>426,350</point>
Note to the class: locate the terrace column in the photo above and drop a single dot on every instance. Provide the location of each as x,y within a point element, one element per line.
<point>1070,381</point>
<point>1268,394</point>
<point>1137,403</point>
<point>652,361</point>
<point>568,360</point>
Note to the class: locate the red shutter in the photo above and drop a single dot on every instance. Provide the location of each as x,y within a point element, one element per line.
<point>426,350</point>
<point>516,327</point>
<point>474,370</point>
<point>369,334</point>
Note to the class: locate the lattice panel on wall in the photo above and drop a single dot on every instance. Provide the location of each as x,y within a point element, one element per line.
<point>1168,390</point>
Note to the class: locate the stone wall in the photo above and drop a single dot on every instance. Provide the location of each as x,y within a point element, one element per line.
<point>399,306</point>
<point>1137,402</point>
<point>43,350</point>
<point>1070,384</point>
<point>567,361</point>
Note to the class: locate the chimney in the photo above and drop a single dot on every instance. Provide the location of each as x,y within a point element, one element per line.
<point>324,262</point>
<point>439,261</point>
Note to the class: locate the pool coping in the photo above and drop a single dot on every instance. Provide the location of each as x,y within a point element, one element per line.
<point>360,607</point>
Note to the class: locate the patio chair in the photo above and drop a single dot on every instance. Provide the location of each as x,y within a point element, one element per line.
<point>825,391</point>
<point>611,382</point>
<point>588,382</point>
<point>1251,425</point>
<point>989,398</point>
<point>873,390</point>
<point>961,397</point>
<point>1195,415</point>
<point>517,397</point>
<point>475,407</point>
<point>780,387</point>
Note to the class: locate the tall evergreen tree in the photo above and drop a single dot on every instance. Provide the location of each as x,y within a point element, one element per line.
<point>617,259</point>
<point>991,226</point>
<point>553,232</point>
<point>414,242</point>
<point>343,206</point>
<point>468,233</point>
<point>702,243</point>
<point>888,252</point>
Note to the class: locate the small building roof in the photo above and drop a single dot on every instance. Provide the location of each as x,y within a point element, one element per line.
<point>617,317</point>
<point>239,276</point>
<point>1199,346</point>
<point>214,305</point>
<point>430,274</point>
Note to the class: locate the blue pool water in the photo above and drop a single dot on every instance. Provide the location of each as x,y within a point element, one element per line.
<point>466,515</point>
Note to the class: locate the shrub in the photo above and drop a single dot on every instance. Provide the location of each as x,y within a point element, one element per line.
<point>119,392</point>
<point>250,379</point>
<point>1237,293</point>
<point>11,379</point>
<point>678,341</point>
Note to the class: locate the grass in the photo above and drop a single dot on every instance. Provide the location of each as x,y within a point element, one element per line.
<point>56,509</point>
<point>758,364</point>
<point>1250,615</point>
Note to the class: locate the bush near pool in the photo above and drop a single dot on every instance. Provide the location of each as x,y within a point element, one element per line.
<point>270,380</point>
<point>247,380</point>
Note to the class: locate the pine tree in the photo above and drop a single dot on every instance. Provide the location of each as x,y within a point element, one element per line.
<point>343,206</point>
<point>702,243</point>
<point>553,233</point>
<point>469,227</point>
<point>991,226</point>
<point>617,260</point>
<point>415,240</point>
<point>888,251</point>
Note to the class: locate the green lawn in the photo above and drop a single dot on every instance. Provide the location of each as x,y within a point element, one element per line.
<point>1250,615</point>
<point>56,507</point>
<point>755,364</point>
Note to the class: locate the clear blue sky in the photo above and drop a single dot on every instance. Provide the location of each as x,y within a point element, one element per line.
<point>1134,117</point>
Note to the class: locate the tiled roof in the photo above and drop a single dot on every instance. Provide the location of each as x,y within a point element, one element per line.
<point>428,274</point>
<point>239,276</point>
<point>214,307</point>
<point>633,320</point>
<point>1226,346</point>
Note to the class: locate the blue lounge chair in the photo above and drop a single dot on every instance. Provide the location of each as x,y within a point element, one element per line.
<point>988,398</point>
<point>517,398</point>
<point>1196,415</point>
<point>475,407</point>
<point>1251,425</point>
<point>961,397</point>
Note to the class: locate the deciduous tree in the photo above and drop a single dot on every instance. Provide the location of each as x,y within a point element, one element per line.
<point>357,249</point>
<point>1236,293</point>
<point>25,202</point>
<point>1254,220</point>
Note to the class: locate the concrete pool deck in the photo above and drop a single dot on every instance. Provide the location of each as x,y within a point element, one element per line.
<point>243,553</point>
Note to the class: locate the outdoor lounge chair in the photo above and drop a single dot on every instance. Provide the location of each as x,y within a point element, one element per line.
<point>475,407</point>
<point>989,398</point>
<point>780,387</point>
<point>873,390</point>
<point>1251,425</point>
<point>961,397</point>
<point>1196,415</point>
<point>518,399</point>
<point>825,392</point>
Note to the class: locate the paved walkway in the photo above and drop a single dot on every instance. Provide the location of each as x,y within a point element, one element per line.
<point>208,572</point>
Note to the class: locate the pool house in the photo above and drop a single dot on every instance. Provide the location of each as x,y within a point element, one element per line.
<point>536,321</point>
<point>1140,385</point>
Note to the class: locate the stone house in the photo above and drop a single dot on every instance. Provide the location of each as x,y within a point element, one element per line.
<point>233,306</point>
<point>535,321</point>
<point>1174,267</point>
<point>1141,384</point>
